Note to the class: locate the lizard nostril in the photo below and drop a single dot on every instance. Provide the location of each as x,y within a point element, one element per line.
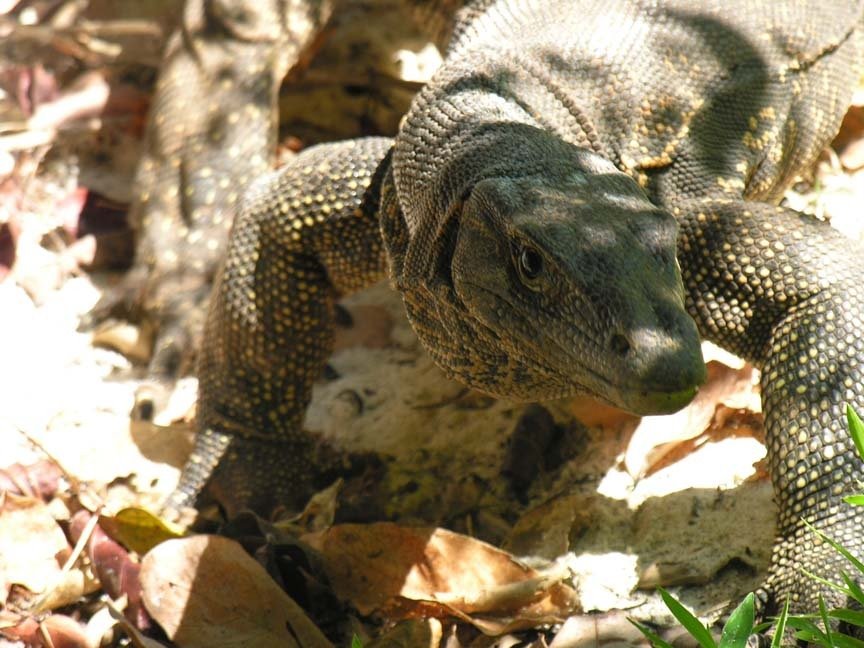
<point>619,344</point>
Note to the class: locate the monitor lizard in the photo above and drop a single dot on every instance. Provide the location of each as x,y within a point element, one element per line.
<point>582,191</point>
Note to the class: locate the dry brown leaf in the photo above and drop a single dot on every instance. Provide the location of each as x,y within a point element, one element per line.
<point>206,591</point>
<point>656,436</point>
<point>404,572</point>
<point>415,633</point>
<point>40,479</point>
<point>181,404</point>
<point>115,568</point>
<point>133,341</point>
<point>84,98</point>
<point>596,630</point>
<point>137,639</point>
<point>727,423</point>
<point>30,542</point>
<point>849,142</point>
<point>65,632</point>
<point>56,630</point>
<point>8,243</point>
<point>70,587</point>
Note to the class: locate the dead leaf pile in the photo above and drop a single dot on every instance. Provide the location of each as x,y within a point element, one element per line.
<point>403,573</point>
<point>208,591</point>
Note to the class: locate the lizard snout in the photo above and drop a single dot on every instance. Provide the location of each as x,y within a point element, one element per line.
<point>661,365</point>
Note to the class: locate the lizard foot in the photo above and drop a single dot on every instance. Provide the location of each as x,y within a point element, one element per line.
<point>802,554</point>
<point>254,473</point>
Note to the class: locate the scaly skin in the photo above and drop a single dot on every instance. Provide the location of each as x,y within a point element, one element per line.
<point>295,248</point>
<point>530,215</point>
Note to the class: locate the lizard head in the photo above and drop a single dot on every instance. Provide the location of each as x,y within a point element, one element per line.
<point>568,282</point>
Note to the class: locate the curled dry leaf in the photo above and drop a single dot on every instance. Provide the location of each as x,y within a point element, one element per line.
<point>656,436</point>
<point>137,639</point>
<point>206,591</point>
<point>849,142</point>
<point>30,542</point>
<point>596,630</point>
<point>133,341</point>
<point>64,632</point>
<point>57,630</point>
<point>115,568</point>
<point>402,572</point>
<point>30,86</point>
<point>40,479</point>
<point>318,514</point>
<point>139,529</point>
<point>70,586</point>
<point>8,243</point>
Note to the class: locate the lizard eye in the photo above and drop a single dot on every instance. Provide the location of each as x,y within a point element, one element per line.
<point>530,264</point>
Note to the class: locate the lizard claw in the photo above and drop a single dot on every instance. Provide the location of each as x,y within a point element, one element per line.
<point>265,476</point>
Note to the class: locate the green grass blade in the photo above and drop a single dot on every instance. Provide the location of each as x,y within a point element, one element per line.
<point>810,638</point>
<point>693,625</point>
<point>831,585</point>
<point>806,630</point>
<point>856,429</point>
<point>356,642</point>
<point>855,500</point>
<point>854,617</point>
<point>740,624</point>
<point>656,640</point>
<point>854,589</point>
<point>780,628</point>
<point>841,640</point>
<point>823,612</point>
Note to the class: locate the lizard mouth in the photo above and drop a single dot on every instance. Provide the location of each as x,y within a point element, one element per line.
<point>636,399</point>
<point>648,403</point>
<point>557,371</point>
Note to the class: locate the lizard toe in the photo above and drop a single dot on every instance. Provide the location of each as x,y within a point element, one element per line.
<point>268,476</point>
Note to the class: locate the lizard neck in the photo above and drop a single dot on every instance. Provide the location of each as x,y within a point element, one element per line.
<point>471,125</point>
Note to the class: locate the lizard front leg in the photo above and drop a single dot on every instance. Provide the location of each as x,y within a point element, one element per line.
<point>303,236</point>
<point>787,293</point>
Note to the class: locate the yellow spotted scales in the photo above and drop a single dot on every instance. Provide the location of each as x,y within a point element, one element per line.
<point>580,187</point>
<point>303,236</point>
